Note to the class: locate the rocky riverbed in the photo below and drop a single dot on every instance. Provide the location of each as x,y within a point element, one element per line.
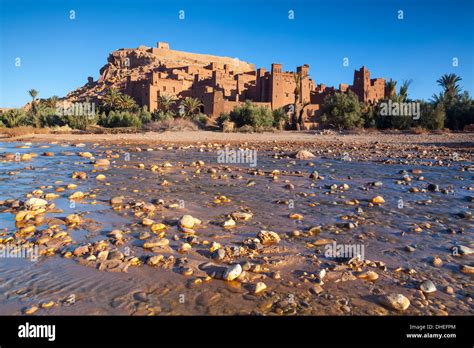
<point>334,229</point>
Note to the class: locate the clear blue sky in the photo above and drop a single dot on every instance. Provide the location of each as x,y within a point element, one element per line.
<point>57,53</point>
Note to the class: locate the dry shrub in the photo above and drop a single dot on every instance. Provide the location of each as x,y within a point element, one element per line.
<point>311,126</point>
<point>327,132</point>
<point>246,129</point>
<point>371,130</point>
<point>441,131</point>
<point>418,130</point>
<point>24,130</point>
<point>363,131</point>
<point>263,129</point>
<point>116,130</point>
<point>392,131</point>
<point>257,129</point>
<point>228,126</point>
<point>61,129</point>
<point>177,124</point>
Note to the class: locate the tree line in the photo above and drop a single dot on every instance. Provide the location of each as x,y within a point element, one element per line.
<point>452,108</point>
<point>115,109</point>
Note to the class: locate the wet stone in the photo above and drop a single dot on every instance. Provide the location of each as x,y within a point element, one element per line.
<point>466,269</point>
<point>395,301</point>
<point>155,242</point>
<point>303,154</point>
<point>140,296</point>
<point>465,215</point>
<point>427,287</point>
<point>117,200</point>
<point>316,289</point>
<point>268,237</point>
<point>219,254</point>
<point>232,272</point>
<point>437,262</point>
<point>259,287</point>
<point>463,250</point>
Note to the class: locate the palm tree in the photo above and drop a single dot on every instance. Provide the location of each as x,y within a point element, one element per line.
<point>115,100</point>
<point>111,99</point>
<point>449,82</point>
<point>297,91</point>
<point>33,94</point>
<point>165,103</point>
<point>51,102</point>
<point>437,98</point>
<point>191,106</point>
<point>404,89</point>
<point>126,102</point>
<point>391,88</point>
<point>34,110</point>
<point>297,120</point>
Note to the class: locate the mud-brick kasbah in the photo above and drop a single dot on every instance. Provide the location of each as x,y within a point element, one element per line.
<point>220,83</point>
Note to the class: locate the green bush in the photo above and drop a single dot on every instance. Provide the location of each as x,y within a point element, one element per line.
<point>120,119</point>
<point>458,105</point>
<point>145,115</point>
<point>222,118</point>
<point>370,115</point>
<point>343,111</point>
<point>14,118</point>
<point>459,111</point>
<point>251,115</point>
<point>393,122</point>
<point>160,115</point>
<point>51,120</point>
<point>280,118</point>
<point>432,117</point>
<point>401,122</point>
<point>81,122</point>
<point>201,119</point>
<point>47,117</point>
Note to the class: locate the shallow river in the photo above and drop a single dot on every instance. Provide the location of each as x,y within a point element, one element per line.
<point>400,236</point>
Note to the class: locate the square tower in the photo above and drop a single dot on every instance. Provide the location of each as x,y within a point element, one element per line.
<point>163,45</point>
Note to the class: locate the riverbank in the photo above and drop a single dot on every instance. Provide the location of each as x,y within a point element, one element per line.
<point>372,146</point>
<point>193,137</point>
